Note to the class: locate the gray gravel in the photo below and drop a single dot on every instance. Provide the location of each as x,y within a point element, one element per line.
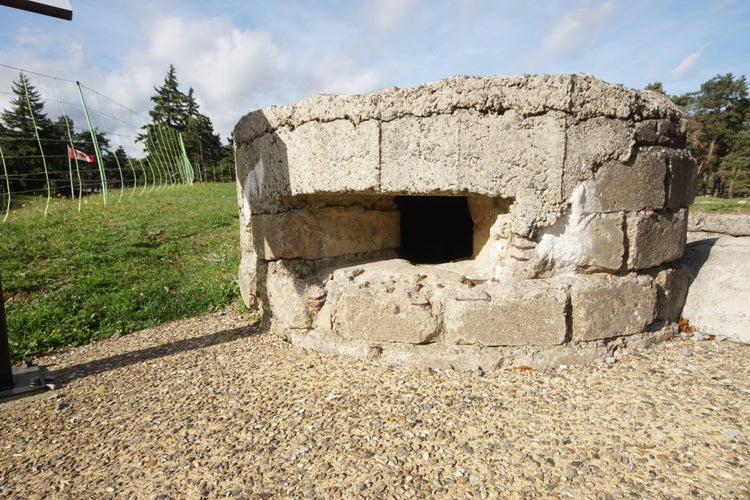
<point>207,407</point>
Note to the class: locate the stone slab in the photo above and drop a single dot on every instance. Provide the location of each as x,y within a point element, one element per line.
<point>719,223</point>
<point>718,300</point>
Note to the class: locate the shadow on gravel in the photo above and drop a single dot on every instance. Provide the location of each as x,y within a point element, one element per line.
<point>696,255</point>
<point>133,357</point>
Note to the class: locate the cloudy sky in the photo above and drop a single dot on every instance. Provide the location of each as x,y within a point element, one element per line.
<point>241,55</point>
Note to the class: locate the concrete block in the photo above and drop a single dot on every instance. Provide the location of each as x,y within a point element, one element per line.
<point>636,186</point>
<point>335,157</point>
<point>667,131</point>
<point>655,238</point>
<point>351,230</point>
<point>671,291</point>
<point>263,172</point>
<point>286,294</point>
<point>507,314</point>
<point>382,305</point>
<point>592,143</point>
<point>509,154</point>
<point>606,243</point>
<point>682,180</point>
<point>248,279</point>
<point>287,235</point>
<point>607,306</point>
<point>325,232</point>
<point>420,155</point>
<point>583,242</point>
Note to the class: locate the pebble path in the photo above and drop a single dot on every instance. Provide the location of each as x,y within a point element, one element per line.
<point>207,407</point>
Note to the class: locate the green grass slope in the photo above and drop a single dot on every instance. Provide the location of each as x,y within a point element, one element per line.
<point>75,277</point>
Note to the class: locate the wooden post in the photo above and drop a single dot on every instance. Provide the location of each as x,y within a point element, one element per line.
<point>6,371</point>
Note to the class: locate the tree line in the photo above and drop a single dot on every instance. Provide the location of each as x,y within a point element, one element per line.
<point>718,134</point>
<point>34,147</point>
<point>25,128</point>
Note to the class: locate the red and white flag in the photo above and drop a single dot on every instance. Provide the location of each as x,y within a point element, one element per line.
<point>74,154</point>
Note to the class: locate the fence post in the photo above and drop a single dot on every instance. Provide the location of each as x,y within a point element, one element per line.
<point>6,371</point>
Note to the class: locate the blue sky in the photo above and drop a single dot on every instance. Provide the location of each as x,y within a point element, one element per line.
<point>241,55</point>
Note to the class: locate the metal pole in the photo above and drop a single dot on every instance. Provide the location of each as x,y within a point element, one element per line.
<point>6,371</point>
<point>94,140</point>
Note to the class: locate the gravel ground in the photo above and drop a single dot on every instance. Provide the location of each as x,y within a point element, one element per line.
<point>207,407</point>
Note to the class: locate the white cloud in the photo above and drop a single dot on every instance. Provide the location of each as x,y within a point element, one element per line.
<point>686,66</point>
<point>228,68</point>
<point>577,30</point>
<point>231,70</point>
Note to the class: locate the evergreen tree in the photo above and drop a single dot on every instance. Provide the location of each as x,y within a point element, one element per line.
<point>656,86</point>
<point>170,105</point>
<point>717,138</point>
<point>175,110</point>
<point>202,145</point>
<point>736,172</point>
<point>20,147</point>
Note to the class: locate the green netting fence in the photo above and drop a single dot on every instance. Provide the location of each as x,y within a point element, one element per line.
<point>59,138</point>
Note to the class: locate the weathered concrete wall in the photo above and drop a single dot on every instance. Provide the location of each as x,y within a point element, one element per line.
<point>578,192</point>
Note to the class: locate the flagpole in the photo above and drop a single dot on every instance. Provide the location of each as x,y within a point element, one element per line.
<point>70,173</point>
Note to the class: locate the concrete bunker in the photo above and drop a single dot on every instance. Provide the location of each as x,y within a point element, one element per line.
<point>483,221</point>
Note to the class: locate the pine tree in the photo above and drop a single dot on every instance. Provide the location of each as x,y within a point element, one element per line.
<point>202,145</point>
<point>170,105</point>
<point>175,110</point>
<point>721,110</point>
<point>20,147</point>
<point>656,87</point>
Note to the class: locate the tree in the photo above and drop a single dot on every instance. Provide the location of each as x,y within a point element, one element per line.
<point>657,87</point>
<point>736,174</point>
<point>176,111</point>
<point>21,122</point>
<point>170,105</point>
<point>721,110</point>
<point>202,145</point>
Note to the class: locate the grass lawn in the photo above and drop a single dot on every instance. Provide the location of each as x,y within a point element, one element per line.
<point>709,204</point>
<point>75,277</point>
